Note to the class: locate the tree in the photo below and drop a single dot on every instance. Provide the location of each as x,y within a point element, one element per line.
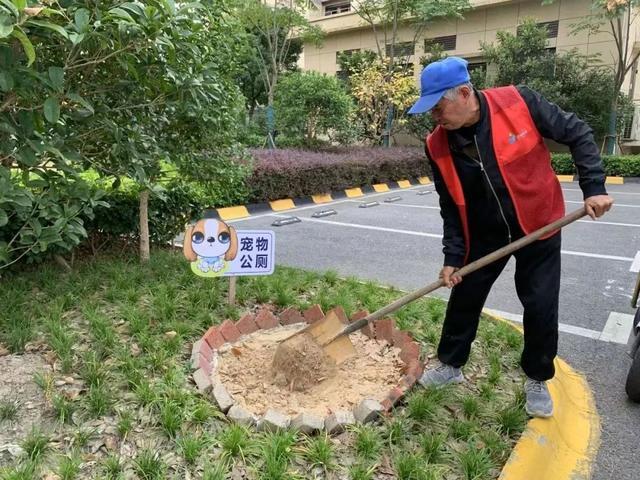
<point>276,29</point>
<point>132,90</point>
<point>566,79</point>
<point>386,17</point>
<point>311,104</point>
<point>615,17</point>
<point>377,92</point>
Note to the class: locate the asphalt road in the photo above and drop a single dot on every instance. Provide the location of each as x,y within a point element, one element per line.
<point>399,244</point>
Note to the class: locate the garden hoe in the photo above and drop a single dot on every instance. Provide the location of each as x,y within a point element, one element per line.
<point>331,335</point>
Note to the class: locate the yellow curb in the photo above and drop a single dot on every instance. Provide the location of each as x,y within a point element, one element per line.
<point>322,198</point>
<point>615,180</point>
<point>424,180</point>
<point>404,183</point>
<point>564,446</point>
<point>231,213</point>
<point>565,178</point>
<point>353,192</point>
<point>284,204</point>
<point>381,187</point>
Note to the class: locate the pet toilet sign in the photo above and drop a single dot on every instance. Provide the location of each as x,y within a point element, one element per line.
<point>216,249</point>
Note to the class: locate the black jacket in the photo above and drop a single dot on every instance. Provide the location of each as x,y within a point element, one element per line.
<point>491,215</point>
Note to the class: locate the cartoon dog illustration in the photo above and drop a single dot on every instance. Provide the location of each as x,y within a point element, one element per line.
<point>211,243</point>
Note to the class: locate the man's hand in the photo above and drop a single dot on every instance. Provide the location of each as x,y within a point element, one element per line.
<point>597,205</point>
<point>446,275</point>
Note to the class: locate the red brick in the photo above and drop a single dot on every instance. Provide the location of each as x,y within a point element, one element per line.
<point>407,382</point>
<point>387,404</point>
<point>313,314</point>
<point>395,394</point>
<point>410,351</point>
<point>384,329</point>
<point>359,315</point>
<point>414,367</point>
<point>201,347</point>
<point>291,315</point>
<point>368,330</point>
<point>246,324</point>
<point>400,337</point>
<point>214,338</point>
<point>201,362</point>
<point>339,312</point>
<point>265,319</point>
<point>229,331</point>
<point>202,380</point>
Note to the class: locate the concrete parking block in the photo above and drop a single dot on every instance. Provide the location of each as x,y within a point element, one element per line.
<point>337,422</point>
<point>273,420</point>
<point>222,397</point>
<point>240,415</point>
<point>266,320</point>
<point>202,380</point>
<point>291,316</point>
<point>313,314</point>
<point>308,423</point>
<point>368,410</point>
<point>229,331</point>
<point>247,324</point>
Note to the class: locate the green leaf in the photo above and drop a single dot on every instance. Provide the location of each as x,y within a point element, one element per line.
<point>120,13</point>
<point>50,26</point>
<point>4,218</point>
<point>6,81</point>
<point>52,109</point>
<point>26,45</point>
<point>20,4</point>
<point>27,157</point>
<point>82,19</point>
<point>76,38</point>
<point>77,98</point>
<point>6,25</point>
<point>11,7</point>
<point>56,74</point>
<point>171,5</point>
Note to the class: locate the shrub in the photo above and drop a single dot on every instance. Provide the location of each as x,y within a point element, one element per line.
<point>293,173</point>
<point>614,165</point>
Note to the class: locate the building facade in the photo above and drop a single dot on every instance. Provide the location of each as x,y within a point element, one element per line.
<point>346,31</point>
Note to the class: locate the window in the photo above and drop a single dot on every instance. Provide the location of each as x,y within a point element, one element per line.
<point>477,66</point>
<point>348,53</point>
<point>552,28</point>
<point>403,49</point>
<point>448,42</point>
<point>336,8</point>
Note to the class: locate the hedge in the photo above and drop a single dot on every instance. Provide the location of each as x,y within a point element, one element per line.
<point>614,165</point>
<point>295,173</point>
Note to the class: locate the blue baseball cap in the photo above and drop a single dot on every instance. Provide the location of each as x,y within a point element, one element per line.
<point>436,79</point>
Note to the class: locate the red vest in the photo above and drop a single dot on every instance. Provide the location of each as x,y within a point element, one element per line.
<point>523,160</point>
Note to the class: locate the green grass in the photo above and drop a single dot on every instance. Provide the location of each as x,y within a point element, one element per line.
<point>107,324</point>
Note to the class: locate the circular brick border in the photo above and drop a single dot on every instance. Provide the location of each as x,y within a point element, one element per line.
<point>204,358</point>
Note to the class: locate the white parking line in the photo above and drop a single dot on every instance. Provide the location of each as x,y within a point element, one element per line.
<point>395,204</point>
<point>635,265</point>
<point>434,235</point>
<point>563,327</point>
<point>615,204</point>
<point>600,222</point>
<point>617,328</point>
<point>610,192</point>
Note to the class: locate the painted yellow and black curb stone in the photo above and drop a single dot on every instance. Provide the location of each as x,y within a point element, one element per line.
<point>564,446</point>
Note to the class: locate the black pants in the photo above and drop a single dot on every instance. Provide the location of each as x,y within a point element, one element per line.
<point>537,281</point>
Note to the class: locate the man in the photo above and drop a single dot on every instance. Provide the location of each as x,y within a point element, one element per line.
<point>493,174</point>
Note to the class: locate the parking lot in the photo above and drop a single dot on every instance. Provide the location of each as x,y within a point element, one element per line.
<point>399,243</point>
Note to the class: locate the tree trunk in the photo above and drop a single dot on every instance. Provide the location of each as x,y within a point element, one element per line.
<point>610,141</point>
<point>270,121</point>
<point>144,226</point>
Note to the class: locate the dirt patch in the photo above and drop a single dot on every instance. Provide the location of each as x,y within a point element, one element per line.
<point>300,363</point>
<point>245,370</point>
<point>17,385</point>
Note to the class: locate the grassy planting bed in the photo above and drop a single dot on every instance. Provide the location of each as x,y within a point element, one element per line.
<point>98,383</point>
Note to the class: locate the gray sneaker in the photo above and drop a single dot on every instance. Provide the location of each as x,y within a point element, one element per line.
<point>539,403</point>
<point>441,375</point>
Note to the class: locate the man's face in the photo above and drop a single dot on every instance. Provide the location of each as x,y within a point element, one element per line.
<point>453,114</point>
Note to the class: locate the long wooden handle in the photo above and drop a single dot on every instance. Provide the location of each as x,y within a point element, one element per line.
<point>467,269</point>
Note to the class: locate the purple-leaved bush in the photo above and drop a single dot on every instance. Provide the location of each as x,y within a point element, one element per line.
<point>286,173</point>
